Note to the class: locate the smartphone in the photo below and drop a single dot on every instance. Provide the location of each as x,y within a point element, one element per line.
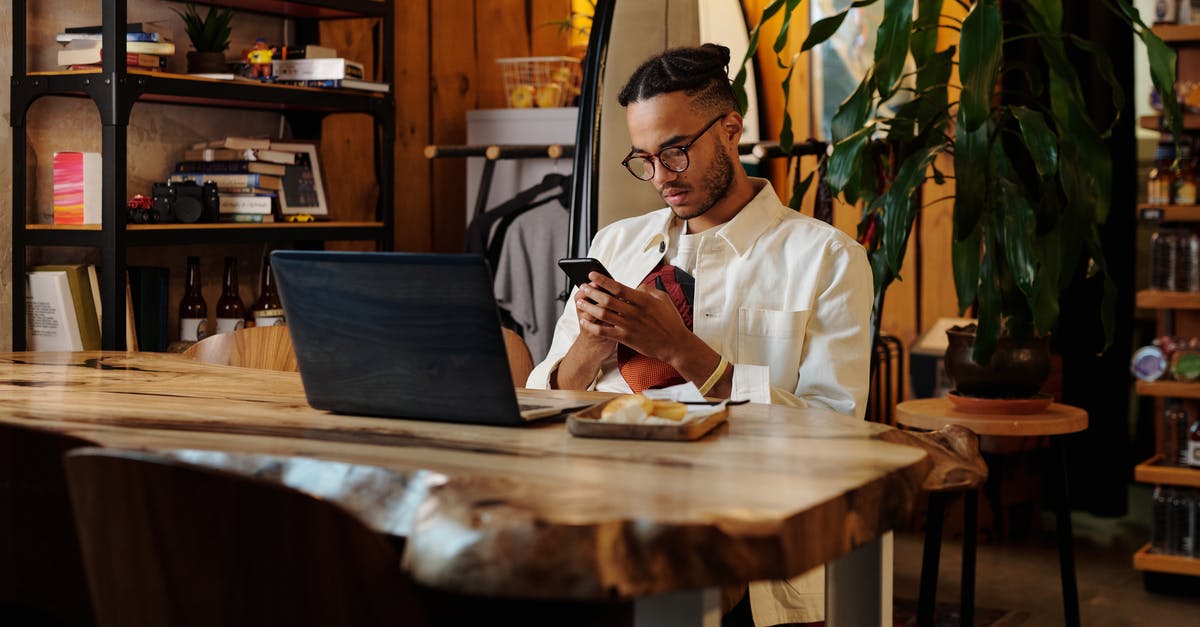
<point>578,268</point>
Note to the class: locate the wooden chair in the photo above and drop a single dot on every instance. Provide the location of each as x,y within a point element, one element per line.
<point>41,572</point>
<point>268,348</point>
<point>520,361</point>
<point>171,543</point>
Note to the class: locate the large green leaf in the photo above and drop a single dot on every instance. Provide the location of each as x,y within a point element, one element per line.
<point>964,256</point>
<point>739,81</point>
<point>782,37</point>
<point>1046,285</point>
<point>1017,234</point>
<point>847,158</point>
<point>1039,140</point>
<point>925,31</point>
<point>852,114</point>
<point>1104,68</point>
<point>825,28</point>
<point>987,332</point>
<point>899,206</point>
<point>979,62</point>
<point>971,175</point>
<point>1162,74</point>
<point>1109,294</point>
<point>891,45</point>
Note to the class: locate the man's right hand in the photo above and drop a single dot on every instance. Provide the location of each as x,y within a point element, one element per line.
<point>579,366</point>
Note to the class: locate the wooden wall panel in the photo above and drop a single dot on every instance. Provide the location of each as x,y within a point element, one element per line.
<point>546,40</point>
<point>413,84</point>
<point>501,30</point>
<point>347,156</point>
<point>453,61</point>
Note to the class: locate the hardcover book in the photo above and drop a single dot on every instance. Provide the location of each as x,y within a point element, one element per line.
<point>82,298</point>
<point>316,69</point>
<point>231,166</point>
<point>77,185</point>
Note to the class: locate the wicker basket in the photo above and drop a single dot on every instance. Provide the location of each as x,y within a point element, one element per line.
<point>540,81</point>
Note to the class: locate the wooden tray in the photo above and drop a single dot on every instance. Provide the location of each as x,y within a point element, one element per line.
<point>586,424</point>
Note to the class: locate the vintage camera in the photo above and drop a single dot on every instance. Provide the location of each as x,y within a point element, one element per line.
<point>186,202</point>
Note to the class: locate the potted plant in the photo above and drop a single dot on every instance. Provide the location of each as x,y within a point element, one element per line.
<point>1031,170</point>
<point>209,36</point>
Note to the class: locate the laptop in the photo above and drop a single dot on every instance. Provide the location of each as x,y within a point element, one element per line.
<point>401,335</point>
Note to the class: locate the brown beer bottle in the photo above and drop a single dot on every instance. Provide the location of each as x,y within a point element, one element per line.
<point>231,313</point>
<point>268,309</point>
<point>193,311</point>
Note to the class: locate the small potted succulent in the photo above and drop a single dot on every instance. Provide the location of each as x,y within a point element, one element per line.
<point>209,36</point>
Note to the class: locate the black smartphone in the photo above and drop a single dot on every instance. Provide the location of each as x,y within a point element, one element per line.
<point>578,268</point>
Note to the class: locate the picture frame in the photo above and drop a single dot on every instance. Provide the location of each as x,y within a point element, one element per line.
<point>303,187</point>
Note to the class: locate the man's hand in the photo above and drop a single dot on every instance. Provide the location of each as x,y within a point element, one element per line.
<point>643,319</point>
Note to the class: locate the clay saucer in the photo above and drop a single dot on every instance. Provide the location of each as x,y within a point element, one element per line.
<point>979,405</point>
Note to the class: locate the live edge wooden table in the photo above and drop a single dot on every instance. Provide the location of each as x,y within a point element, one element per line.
<point>1056,420</point>
<point>532,511</point>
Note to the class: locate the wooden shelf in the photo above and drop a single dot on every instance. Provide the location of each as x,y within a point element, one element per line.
<point>204,233</point>
<point>307,8</point>
<point>1173,564</point>
<point>1152,471</point>
<point>1178,33</point>
<point>1169,213</point>
<point>1168,389</point>
<point>1159,299</point>
<point>1191,122</point>
<point>166,87</point>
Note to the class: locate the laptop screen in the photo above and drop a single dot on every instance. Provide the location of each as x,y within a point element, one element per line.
<point>403,335</point>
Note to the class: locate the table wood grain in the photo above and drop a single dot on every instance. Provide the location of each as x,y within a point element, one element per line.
<point>507,511</point>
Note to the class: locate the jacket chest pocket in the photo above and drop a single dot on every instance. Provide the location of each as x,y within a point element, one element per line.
<point>774,339</point>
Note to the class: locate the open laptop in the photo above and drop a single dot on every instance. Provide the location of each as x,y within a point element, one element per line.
<point>401,335</point>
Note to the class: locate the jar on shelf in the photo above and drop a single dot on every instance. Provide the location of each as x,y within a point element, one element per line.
<point>1174,435</point>
<point>1166,11</point>
<point>1183,182</point>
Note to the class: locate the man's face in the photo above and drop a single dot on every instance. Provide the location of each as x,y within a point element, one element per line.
<point>668,120</point>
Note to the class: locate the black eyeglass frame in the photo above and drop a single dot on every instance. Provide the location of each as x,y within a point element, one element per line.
<point>653,158</point>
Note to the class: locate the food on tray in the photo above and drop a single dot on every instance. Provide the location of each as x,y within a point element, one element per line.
<point>521,96</point>
<point>636,408</point>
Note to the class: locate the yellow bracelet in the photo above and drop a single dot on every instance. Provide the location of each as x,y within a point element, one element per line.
<point>715,376</point>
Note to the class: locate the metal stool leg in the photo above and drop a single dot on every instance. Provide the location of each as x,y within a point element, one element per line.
<point>970,529</point>
<point>930,560</point>
<point>1066,546</point>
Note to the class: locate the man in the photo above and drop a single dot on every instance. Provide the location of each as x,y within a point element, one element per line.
<point>725,287</point>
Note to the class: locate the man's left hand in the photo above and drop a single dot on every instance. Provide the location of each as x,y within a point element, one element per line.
<point>643,319</point>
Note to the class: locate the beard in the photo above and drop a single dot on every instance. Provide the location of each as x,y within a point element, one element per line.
<point>715,184</point>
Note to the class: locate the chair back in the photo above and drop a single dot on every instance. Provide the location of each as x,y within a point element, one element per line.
<point>267,348</point>
<point>520,361</point>
<point>171,543</point>
<point>41,572</point>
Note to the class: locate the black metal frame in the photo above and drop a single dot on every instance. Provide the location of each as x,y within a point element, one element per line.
<point>115,91</point>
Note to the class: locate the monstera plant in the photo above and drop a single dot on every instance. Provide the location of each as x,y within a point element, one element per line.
<point>1031,171</point>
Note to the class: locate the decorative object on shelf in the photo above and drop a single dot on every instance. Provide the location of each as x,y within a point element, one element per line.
<point>1017,368</point>
<point>302,191</point>
<point>78,182</point>
<point>259,59</point>
<point>1148,363</point>
<point>209,36</point>
<point>1027,210</point>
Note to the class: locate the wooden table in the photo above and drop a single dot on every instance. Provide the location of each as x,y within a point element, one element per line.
<point>1056,420</point>
<point>492,511</point>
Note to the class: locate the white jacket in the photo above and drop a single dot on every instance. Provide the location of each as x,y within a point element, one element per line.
<point>787,299</point>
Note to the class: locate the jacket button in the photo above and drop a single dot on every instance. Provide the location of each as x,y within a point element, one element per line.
<point>662,247</point>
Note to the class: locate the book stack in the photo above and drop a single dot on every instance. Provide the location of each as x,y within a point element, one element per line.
<point>325,73</point>
<point>62,308</point>
<point>147,46</point>
<point>249,175</point>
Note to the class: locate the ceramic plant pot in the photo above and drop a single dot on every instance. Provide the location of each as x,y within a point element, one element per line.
<point>206,62</point>
<point>1018,369</point>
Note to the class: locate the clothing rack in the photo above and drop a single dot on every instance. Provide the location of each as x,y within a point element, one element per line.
<point>493,153</point>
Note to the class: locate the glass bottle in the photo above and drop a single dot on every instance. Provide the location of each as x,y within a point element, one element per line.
<point>193,311</point>
<point>1158,521</point>
<point>1193,445</point>
<point>1174,433</point>
<point>1162,178</point>
<point>1164,252</point>
<point>268,309</point>
<point>231,313</point>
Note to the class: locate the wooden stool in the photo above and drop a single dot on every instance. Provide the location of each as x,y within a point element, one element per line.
<point>1055,420</point>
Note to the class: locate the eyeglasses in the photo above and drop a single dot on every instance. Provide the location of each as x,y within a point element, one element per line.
<point>673,158</point>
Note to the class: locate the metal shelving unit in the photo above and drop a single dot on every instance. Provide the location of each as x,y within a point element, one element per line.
<point>115,90</point>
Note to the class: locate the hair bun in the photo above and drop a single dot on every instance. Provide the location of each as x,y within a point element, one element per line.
<point>720,53</point>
